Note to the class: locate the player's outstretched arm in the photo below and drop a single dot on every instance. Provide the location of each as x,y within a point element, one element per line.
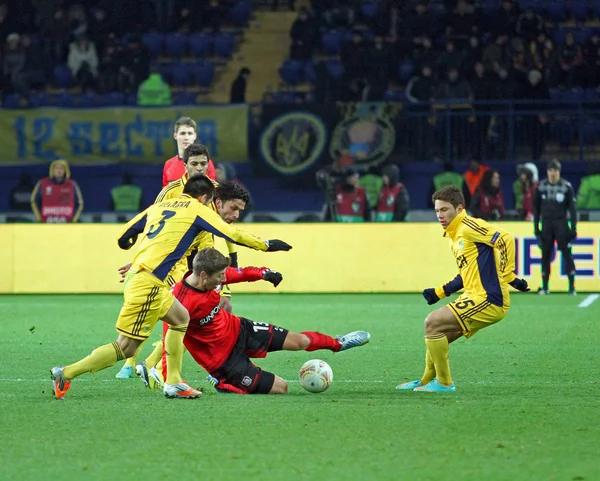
<point>251,274</point>
<point>210,221</point>
<point>132,229</point>
<point>434,294</point>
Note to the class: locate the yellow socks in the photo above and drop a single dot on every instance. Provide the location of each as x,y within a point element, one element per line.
<point>100,358</point>
<point>429,374</point>
<point>175,349</point>
<point>131,361</point>
<point>154,358</point>
<point>437,346</point>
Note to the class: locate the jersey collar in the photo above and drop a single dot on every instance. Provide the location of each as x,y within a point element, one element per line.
<point>453,227</point>
<point>185,177</point>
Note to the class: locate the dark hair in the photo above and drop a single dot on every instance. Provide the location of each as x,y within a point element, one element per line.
<point>486,182</point>
<point>209,260</point>
<point>195,150</point>
<point>199,185</point>
<point>187,121</point>
<point>450,194</point>
<point>231,191</point>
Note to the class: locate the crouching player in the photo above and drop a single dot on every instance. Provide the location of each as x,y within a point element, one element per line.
<point>485,257</point>
<point>223,343</point>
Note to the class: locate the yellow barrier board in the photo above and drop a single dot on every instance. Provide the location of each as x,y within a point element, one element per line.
<point>335,258</point>
<point>122,134</point>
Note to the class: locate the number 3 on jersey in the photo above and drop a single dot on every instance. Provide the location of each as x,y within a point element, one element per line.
<point>156,228</point>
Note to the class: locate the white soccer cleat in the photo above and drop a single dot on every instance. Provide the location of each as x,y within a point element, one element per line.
<point>156,380</point>
<point>180,390</point>
<point>353,339</point>
<point>142,371</point>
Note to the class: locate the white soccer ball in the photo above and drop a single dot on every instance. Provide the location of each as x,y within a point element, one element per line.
<point>315,375</point>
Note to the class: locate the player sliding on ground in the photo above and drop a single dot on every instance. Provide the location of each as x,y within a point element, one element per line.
<point>485,256</point>
<point>223,343</point>
<point>171,230</point>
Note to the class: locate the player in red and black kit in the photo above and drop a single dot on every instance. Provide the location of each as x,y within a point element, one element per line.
<point>223,343</point>
<point>185,134</point>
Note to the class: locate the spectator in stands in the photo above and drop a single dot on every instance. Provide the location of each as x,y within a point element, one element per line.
<point>5,25</point>
<point>77,20</point>
<point>303,35</point>
<point>108,69</point>
<point>100,28</point>
<point>473,176</point>
<point>497,55</point>
<point>154,91</point>
<point>57,198</point>
<point>239,85</point>
<point>449,59</point>
<point>420,27</point>
<point>524,190</point>
<point>421,89</point>
<point>13,60</point>
<point>35,68</point>
<point>83,61</point>
<point>505,19</point>
<point>354,57</point>
<point>534,88</point>
<point>135,65</point>
<point>126,197</point>
<point>55,34</point>
<point>212,15</point>
<point>488,201</point>
<point>530,25</point>
<point>454,88</point>
<point>501,91</point>
<point>588,196</point>
<point>462,24</point>
<point>473,54</point>
<point>480,82</point>
<point>592,61</point>
<point>568,71</point>
<point>379,64</point>
<point>20,195</point>
<point>339,14</point>
<point>543,54</point>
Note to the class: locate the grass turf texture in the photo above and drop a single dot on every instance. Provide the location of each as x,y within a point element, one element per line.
<point>526,406</point>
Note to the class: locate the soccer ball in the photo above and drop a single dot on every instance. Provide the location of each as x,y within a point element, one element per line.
<point>315,375</point>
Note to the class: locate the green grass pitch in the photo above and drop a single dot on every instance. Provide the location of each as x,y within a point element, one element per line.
<point>526,406</point>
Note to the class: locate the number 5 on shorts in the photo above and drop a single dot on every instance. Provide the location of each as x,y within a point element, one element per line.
<point>464,304</point>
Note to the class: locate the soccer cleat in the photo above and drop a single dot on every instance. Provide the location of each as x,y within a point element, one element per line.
<point>543,292</point>
<point>59,384</point>
<point>142,371</point>
<point>573,292</point>
<point>435,386</point>
<point>126,372</point>
<point>213,381</point>
<point>180,391</point>
<point>353,339</point>
<point>409,386</point>
<point>156,380</point>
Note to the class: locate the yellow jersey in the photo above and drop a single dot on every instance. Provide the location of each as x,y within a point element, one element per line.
<point>172,229</point>
<point>174,190</point>
<point>485,257</point>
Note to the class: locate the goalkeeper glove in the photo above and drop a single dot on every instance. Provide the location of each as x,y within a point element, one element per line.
<point>272,276</point>
<point>520,285</point>
<point>276,245</point>
<point>430,296</point>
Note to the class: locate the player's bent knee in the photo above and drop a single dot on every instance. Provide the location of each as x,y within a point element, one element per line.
<point>279,386</point>
<point>128,345</point>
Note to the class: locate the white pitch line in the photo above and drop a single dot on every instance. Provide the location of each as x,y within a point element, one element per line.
<point>589,300</point>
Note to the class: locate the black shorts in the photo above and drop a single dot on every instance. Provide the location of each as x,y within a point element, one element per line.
<point>256,339</point>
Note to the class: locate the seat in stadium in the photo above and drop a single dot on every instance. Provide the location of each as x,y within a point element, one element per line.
<point>332,42</point>
<point>556,10</point>
<point>310,75</point>
<point>113,99</point>
<point>166,70</point>
<point>154,43</point>
<point>131,99</point>
<point>182,74</point>
<point>89,100</point>
<point>200,44</point>
<point>62,76</point>
<point>12,101</point>
<point>224,45</point>
<point>240,13</point>
<point>291,71</point>
<point>335,69</point>
<point>368,10</point>
<point>579,10</point>
<point>64,99</point>
<point>184,98</point>
<point>204,73</point>
<point>405,70</point>
<point>39,99</point>
<point>175,44</point>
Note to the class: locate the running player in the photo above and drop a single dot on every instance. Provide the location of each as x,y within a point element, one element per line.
<point>185,135</point>
<point>171,229</point>
<point>223,343</point>
<point>485,256</point>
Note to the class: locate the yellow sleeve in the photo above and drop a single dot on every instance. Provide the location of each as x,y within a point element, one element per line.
<point>481,232</point>
<point>210,221</point>
<point>204,240</point>
<point>231,247</point>
<point>168,192</point>
<point>132,229</point>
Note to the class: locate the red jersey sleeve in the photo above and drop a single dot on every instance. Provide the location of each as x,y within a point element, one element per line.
<point>164,177</point>
<point>247,274</point>
<point>211,173</point>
